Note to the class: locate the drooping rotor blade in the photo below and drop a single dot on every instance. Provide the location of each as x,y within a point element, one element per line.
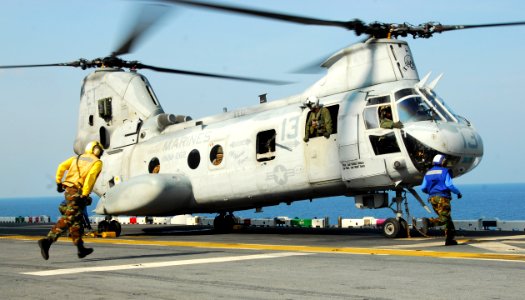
<point>146,16</point>
<point>375,29</point>
<point>202,74</point>
<point>355,24</point>
<point>69,64</point>
<point>458,27</point>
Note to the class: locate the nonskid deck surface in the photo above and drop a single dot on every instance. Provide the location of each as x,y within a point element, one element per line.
<point>182,262</point>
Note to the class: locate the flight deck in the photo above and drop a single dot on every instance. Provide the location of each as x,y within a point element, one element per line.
<point>189,262</point>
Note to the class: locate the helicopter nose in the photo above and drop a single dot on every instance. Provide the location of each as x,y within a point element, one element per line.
<point>459,140</point>
<point>448,138</point>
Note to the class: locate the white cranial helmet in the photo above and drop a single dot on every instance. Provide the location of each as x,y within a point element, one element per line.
<point>312,101</point>
<point>438,159</point>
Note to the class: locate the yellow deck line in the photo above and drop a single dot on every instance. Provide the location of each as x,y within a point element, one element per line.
<point>297,248</point>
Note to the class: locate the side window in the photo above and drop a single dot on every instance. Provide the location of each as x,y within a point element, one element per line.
<point>265,145</point>
<point>216,155</point>
<point>371,117</point>
<point>384,144</point>
<point>154,166</point>
<point>194,159</point>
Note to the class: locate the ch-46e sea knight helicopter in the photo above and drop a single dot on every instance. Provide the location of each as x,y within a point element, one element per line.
<point>156,163</point>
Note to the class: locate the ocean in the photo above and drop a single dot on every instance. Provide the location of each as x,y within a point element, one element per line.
<point>485,201</point>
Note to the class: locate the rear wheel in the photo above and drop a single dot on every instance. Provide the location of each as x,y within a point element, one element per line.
<point>115,227</point>
<point>103,226</point>
<point>224,223</point>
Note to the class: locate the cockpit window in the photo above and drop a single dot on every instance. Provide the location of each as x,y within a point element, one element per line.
<point>459,118</point>
<point>404,92</point>
<point>378,100</point>
<point>439,105</point>
<point>414,109</point>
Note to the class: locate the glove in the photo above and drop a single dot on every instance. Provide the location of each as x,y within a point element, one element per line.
<point>85,200</point>
<point>60,188</point>
<point>326,135</point>
<point>460,195</point>
<point>397,125</point>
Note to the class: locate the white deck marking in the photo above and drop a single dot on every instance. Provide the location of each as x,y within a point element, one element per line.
<point>497,247</point>
<point>163,264</point>
<point>418,245</point>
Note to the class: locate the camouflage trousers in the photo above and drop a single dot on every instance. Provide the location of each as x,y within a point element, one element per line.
<point>71,217</point>
<point>441,206</point>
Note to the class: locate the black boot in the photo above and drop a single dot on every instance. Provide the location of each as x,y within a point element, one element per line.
<point>450,233</point>
<point>450,242</point>
<point>83,252</point>
<point>44,245</point>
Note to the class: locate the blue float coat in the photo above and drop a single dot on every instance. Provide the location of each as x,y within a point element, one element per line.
<point>438,182</point>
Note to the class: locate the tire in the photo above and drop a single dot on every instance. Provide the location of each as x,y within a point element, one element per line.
<point>103,226</point>
<point>115,227</point>
<point>403,230</point>
<point>391,228</point>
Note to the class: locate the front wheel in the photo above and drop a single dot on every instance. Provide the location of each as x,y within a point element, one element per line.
<point>391,228</point>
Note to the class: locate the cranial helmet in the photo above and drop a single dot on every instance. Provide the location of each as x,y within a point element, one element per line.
<point>94,148</point>
<point>438,159</point>
<point>312,101</point>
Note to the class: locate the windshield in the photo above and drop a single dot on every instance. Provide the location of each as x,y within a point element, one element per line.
<point>440,101</point>
<point>414,109</point>
<point>439,106</point>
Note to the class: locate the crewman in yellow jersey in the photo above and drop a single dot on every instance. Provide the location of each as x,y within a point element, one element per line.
<point>82,173</point>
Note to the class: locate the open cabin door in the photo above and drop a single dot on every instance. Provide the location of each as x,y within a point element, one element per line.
<point>359,130</point>
<point>321,152</point>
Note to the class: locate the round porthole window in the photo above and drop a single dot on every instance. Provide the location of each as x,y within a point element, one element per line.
<point>154,165</point>
<point>194,159</point>
<point>216,155</point>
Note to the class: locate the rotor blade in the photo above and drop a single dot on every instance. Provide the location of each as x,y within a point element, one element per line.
<point>457,27</point>
<point>355,25</point>
<point>211,75</point>
<point>146,16</point>
<point>69,64</point>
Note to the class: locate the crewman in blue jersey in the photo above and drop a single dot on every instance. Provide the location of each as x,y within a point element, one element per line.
<point>437,183</point>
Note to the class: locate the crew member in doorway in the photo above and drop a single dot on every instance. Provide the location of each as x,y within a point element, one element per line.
<point>82,173</point>
<point>319,121</point>
<point>386,120</point>
<point>437,183</point>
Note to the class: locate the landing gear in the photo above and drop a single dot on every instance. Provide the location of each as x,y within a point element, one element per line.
<point>223,223</point>
<point>397,227</point>
<point>109,225</point>
<point>394,228</point>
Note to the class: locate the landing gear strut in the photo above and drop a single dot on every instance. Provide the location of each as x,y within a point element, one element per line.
<point>109,225</point>
<point>223,223</point>
<point>397,227</point>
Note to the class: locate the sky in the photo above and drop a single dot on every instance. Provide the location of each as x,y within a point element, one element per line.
<point>483,69</point>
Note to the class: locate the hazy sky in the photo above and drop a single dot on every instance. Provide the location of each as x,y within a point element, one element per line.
<point>483,81</point>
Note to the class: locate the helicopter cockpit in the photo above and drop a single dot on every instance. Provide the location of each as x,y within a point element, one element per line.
<point>423,114</point>
<point>424,105</point>
<point>420,115</point>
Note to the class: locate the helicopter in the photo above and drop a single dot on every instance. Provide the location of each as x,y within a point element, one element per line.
<point>265,158</point>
